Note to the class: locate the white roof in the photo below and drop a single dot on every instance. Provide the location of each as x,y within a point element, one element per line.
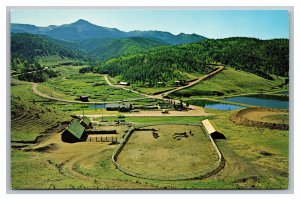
<point>207,125</point>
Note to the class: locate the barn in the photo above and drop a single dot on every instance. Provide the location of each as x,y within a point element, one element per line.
<point>86,122</point>
<point>74,133</point>
<point>208,127</point>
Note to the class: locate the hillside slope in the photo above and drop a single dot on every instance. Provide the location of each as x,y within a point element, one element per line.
<point>260,57</point>
<point>29,46</point>
<point>30,119</point>
<point>104,49</point>
<point>228,82</point>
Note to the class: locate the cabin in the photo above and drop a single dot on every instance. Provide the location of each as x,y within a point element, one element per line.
<point>105,71</point>
<point>119,107</point>
<point>84,98</point>
<point>124,83</point>
<point>74,133</point>
<point>208,127</point>
<point>180,82</point>
<point>86,122</point>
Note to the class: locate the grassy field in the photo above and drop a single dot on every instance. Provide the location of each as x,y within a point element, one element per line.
<point>54,60</point>
<point>228,82</point>
<point>29,118</point>
<point>269,116</point>
<point>168,156</point>
<point>70,85</point>
<point>153,90</point>
<point>255,158</point>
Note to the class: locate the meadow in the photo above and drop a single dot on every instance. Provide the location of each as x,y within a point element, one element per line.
<point>256,158</point>
<point>70,85</point>
<point>230,82</point>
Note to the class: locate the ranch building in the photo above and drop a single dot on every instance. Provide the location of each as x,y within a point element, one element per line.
<point>86,122</point>
<point>124,83</point>
<point>74,133</point>
<point>119,107</point>
<point>84,98</point>
<point>208,127</point>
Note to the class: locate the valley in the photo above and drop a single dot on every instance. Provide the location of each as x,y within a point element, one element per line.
<point>141,99</point>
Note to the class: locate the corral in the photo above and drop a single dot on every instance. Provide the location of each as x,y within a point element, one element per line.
<point>169,152</point>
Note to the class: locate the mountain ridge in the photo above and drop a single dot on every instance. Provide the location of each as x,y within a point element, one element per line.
<point>82,30</point>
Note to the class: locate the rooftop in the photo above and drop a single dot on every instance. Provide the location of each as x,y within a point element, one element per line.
<point>75,129</point>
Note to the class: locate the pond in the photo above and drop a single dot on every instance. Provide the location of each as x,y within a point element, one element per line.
<point>269,101</point>
<point>97,106</point>
<point>215,105</point>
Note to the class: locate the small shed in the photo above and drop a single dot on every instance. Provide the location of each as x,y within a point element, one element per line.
<point>119,107</point>
<point>74,133</point>
<point>208,127</point>
<point>124,83</point>
<point>112,106</point>
<point>84,98</point>
<point>86,122</point>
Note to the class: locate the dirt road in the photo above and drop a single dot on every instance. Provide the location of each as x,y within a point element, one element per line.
<point>39,93</point>
<point>164,94</point>
<point>194,110</point>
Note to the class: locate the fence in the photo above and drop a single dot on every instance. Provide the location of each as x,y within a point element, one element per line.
<point>213,169</point>
<point>239,118</point>
<point>95,131</point>
<point>102,139</point>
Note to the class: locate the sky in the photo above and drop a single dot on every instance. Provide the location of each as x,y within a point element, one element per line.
<point>263,24</point>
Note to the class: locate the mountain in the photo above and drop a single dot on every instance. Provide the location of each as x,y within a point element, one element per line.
<point>168,37</point>
<point>29,47</point>
<point>104,49</point>
<point>83,30</point>
<point>261,57</point>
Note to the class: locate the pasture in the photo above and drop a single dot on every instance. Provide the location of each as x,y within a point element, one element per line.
<point>231,81</point>
<point>162,154</point>
<point>71,85</point>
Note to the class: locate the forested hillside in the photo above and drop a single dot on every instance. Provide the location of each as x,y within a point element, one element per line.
<point>260,57</point>
<point>29,46</point>
<point>26,49</point>
<point>103,49</point>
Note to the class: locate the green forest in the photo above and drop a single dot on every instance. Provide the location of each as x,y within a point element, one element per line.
<point>260,57</point>
<point>146,61</point>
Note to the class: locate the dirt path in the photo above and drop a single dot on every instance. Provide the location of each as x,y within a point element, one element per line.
<point>39,93</point>
<point>194,110</point>
<point>190,84</point>
<point>164,94</point>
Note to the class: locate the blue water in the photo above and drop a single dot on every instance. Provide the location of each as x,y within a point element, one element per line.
<point>268,101</point>
<point>215,105</point>
<point>97,106</point>
<point>223,106</point>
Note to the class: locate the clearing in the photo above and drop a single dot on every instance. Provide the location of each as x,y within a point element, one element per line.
<point>167,155</point>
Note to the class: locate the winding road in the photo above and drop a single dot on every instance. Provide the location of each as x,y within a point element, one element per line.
<point>194,110</point>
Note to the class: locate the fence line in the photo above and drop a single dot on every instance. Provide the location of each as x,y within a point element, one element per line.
<point>102,139</point>
<point>213,169</point>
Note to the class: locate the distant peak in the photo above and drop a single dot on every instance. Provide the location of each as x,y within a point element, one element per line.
<point>180,34</point>
<point>81,21</point>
